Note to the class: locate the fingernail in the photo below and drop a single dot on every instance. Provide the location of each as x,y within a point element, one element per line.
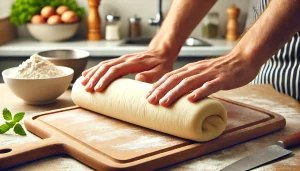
<point>152,98</point>
<point>142,78</point>
<point>148,94</point>
<point>84,79</point>
<point>98,86</point>
<point>164,100</point>
<point>193,96</point>
<point>88,86</point>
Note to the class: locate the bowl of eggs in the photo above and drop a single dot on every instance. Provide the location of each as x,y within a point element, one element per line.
<point>53,25</point>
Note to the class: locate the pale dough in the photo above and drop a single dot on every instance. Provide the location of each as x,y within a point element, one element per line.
<point>125,99</point>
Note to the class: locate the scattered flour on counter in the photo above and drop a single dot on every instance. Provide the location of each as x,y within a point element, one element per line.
<point>111,134</point>
<point>273,106</point>
<point>37,68</point>
<point>145,142</point>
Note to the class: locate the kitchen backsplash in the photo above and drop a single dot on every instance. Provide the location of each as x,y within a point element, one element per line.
<point>147,9</point>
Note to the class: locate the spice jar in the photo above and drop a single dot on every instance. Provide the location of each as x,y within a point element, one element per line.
<point>211,24</point>
<point>135,27</point>
<point>112,27</point>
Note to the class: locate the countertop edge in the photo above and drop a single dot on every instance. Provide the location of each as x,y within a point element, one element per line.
<point>26,47</point>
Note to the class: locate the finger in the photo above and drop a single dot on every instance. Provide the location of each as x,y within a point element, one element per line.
<point>84,73</point>
<point>100,72</point>
<point>118,71</point>
<point>87,77</point>
<point>151,75</point>
<point>88,74</point>
<point>185,86</point>
<point>166,76</point>
<point>206,89</point>
<point>162,80</point>
<point>168,85</point>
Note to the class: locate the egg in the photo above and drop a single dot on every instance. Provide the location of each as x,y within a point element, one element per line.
<point>37,19</point>
<point>54,19</point>
<point>69,17</point>
<point>61,9</point>
<point>47,11</point>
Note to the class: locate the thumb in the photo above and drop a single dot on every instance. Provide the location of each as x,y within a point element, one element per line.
<point>150,76</point>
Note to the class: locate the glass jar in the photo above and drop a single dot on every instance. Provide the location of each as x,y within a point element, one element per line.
<point>112,29</point>
<point>135,27</point>
<point>211,25</point>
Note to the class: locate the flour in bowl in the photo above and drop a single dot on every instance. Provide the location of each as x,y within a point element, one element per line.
<point>37,68</point>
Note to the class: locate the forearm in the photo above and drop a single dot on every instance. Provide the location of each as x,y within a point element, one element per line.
<point>182,18</point>
<point>276,26</point>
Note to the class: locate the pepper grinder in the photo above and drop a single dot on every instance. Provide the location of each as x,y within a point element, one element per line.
<point>232,27</point>
<point>93,21</point>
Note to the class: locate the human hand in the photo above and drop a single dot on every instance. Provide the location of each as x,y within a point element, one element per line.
<point>151,65</point>
<point>203,78</point>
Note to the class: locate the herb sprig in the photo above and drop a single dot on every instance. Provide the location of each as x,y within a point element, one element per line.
<point>12,122</point>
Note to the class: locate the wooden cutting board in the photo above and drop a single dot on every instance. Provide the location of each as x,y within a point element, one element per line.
<point>104,143</point>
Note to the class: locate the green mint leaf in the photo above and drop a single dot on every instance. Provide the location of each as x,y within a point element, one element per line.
<point>11,124</point>
<point>4,128</point>
<point>19,116</point>
<point>6,114</point>
<point>18,129</point>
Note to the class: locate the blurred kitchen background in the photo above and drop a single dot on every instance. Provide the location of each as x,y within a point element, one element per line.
<point>19,48</point>
<point>144,9</point>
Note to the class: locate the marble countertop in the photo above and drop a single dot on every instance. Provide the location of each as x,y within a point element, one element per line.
<point>262,96</point>
<point>27,46</point>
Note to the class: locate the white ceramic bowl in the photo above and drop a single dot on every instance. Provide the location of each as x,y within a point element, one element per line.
<point>38,91</point>
<point>52,33</point>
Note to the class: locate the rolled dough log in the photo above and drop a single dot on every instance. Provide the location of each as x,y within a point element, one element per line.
<point>125,99</point>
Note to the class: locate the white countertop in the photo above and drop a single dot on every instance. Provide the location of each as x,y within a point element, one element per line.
<point>27,46</point>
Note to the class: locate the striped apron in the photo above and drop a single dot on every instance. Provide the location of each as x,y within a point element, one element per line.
<point>282,71</point>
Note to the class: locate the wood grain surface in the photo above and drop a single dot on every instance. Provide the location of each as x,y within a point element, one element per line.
<point>105,143</point>
<point>260,96</point>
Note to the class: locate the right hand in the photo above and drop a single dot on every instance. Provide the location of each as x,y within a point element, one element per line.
<point>150,65</point>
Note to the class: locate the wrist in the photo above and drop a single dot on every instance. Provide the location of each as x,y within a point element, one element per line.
<point>249,54</point>
<point>166,44</point>
<point>253,48</point>
<point>165,51</point>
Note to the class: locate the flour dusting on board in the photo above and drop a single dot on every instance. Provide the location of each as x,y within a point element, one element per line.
<point>146,141</point>
<point>73,118</point>
<point>111,134</point>
<point>221,159</point>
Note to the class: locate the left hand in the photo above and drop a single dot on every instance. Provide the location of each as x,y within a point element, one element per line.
<point>203,78</point>
<point>149,65</point>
